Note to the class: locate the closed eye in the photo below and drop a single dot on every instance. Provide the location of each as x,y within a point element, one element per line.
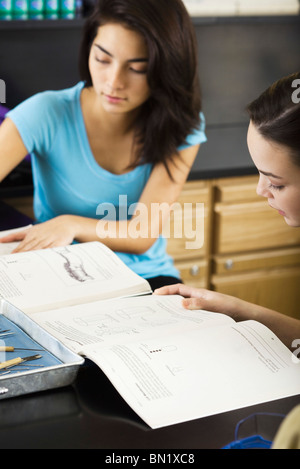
<point>102,61</point>
<point>138,71</point>
<point>278,188</point>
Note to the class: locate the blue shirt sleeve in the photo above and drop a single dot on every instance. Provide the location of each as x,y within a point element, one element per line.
<point>197,136</point>
<point>37,119</point>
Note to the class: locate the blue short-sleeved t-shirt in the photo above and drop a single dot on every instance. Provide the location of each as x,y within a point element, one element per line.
<point>68,180</point>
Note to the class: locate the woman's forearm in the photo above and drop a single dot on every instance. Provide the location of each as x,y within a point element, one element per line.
<point>64,229</point>
<point>117,235</point>
<point>285,327</point>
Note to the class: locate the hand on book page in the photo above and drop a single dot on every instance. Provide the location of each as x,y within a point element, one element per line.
<point>8,247</point>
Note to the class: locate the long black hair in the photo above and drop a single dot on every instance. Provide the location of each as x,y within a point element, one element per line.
<point>276,114</point>
<point>172,111</point>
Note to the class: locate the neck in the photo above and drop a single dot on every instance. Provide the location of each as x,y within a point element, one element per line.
<point>114,124</point>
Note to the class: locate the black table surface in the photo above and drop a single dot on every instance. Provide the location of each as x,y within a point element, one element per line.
<point>90,414</point>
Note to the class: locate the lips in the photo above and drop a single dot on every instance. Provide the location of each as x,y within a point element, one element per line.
<point>278,210</point>
<point>281,213</point>
<point>114,99</point>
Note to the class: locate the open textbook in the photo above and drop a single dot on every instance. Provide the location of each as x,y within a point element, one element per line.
<point>169,364</point>
<point>75,274</point>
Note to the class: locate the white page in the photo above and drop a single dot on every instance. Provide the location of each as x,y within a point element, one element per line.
<point>50,278</point>
<point>172,365</point>
<point>199,373</point>
<point>7,248</point>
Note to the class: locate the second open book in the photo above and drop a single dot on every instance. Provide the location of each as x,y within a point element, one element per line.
<point>169,364</point>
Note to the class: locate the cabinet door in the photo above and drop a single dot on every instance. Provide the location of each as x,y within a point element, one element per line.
<point>277,289</point>
<point>244,222</point>
<point>193,272</point>
<point>245,262</point>
<point>251,226</point>
<point>188,235</point>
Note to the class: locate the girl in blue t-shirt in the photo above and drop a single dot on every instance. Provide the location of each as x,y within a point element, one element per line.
<point>120,142</point>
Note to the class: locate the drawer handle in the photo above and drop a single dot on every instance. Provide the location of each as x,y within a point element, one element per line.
<point>229,264</point>
<point>194,270</point>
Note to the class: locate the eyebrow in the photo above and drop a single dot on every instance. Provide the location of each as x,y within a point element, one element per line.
<point>269,174</point>
<point>138,59</point>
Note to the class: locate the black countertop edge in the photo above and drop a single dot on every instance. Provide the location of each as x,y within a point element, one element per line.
<point>197,20</point>
<point>221,173</point>
<point>244,19</point>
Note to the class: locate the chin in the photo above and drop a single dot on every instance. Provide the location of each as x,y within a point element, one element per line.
<point>292,223</point>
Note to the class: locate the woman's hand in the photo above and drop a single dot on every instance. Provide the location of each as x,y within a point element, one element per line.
<point>59,231</point>
<point>200,298</point>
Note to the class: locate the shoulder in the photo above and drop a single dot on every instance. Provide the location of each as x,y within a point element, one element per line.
<point>37,118</point>
<point>47,103</point>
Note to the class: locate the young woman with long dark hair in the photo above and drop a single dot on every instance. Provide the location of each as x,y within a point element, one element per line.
<point>124,138</point>
<point>274,145</point>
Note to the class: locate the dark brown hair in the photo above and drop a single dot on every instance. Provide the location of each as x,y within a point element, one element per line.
<point>172,111</point>
<point>276,114</point>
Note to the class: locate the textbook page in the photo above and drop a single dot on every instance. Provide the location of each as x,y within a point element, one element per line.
<point>121,320</point>
<point>172,365</point>
<point>51,278</point>
<point>7,248</point>
<point>176,378</point>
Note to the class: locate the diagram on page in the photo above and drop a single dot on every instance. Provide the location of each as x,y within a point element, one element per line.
<point>130,320</point>
<point>123,320</point>
<point>74,265</point>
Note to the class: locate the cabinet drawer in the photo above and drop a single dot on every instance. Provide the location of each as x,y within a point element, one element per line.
<point>277,289</point>
<point>251,226</point>
<point>188,234</point>
<point>193,273</point>
<point>226,265</point>
<point>195,191</point>
<point>233,190</point>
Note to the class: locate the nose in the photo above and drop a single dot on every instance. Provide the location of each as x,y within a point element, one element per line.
<point>262,188</point>
<point>116,78</point>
